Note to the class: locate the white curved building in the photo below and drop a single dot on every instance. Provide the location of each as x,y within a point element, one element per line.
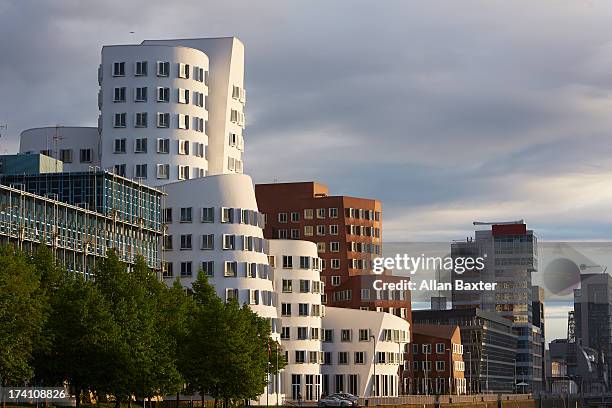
<point>77,147</point>
<point>363,351</point>
<point>297,281</point>
<point>213,225</point>
<point>153,112</point>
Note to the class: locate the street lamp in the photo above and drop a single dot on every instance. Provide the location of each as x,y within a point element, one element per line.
<point>374,360</point>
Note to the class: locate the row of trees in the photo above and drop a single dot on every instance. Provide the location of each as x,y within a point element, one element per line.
<point>126,334</point>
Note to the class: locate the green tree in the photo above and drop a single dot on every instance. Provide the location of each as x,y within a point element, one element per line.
<point>83,332</point>
<point>21,315</point>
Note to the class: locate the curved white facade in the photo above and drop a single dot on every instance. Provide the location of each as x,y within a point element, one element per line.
<point>77,147</point>
<point>153,104</point>
<point>226,240</point>
<point>297,280</point>
<point>360,343</point>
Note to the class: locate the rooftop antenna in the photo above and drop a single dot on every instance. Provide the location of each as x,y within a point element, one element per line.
<point>56,139</point>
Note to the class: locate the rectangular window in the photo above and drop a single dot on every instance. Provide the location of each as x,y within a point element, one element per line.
<point>208,241</point>
<point>120,120</point>
<point>85,155</point>
<point>198,74</point>
<point>333,230</point>
<point>440,348</point>
<point>304,286</point>
<point>303,309</point>
<point>320,229</point>
<point>141,120</point>
<point>118,69</point>
<point>334,246</point>
<point>287,286</point>
<point>120,145</point>
<point>186,241</point>
<point>183,71</point>
<point>304,262</point>
<point>327,358</point>
<point>333,213</point>
<point>167,215</point>
<point>229,241</point>
<point>183,172</point>
<point>287,262</point>
<point>300,358</point>
<point>308,214</point>
<point>168,243</point>
<point>66,155</point>
<point>119,94</point>
<point>183,121</point>
<point>186,214</point>
<point>286,309</point>
<point>335,264</point>
<point>141,68</point>
<point>141,94</point>
<point>163,94</point>
<point>345,335</point>
<point>295,233</point>
<point>227,215</point>
<point>335,281</point>
<point>208,214</point>
<point>140,171</point>
<point>308,230</point>
<point>302,333</point>
<point>183,147</point>
<point>163,120</point>
<point>364,334</point>
<point>343,357</point>
<point>185,269</point>
<point>163,146</point>
<point>163,69</point>
<point>163,171</point>
<point>208,268</point>
<point>285,333</point>
<point>231,269</point>
<point>231,295</point>
<point>140,145</point>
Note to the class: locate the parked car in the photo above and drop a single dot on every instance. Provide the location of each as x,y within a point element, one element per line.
<point>354,399</point>
<point>334,401</point>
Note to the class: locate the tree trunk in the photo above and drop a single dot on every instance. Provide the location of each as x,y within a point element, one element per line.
<point>177,399</point>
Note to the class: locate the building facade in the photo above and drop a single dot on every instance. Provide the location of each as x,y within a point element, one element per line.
<point>437,359</point>
<point>348,235</point>
<point>297,282</point>
<point>78,148</point>
<point>34,215</point>
<point>510,256</point>
<point>489,347</point>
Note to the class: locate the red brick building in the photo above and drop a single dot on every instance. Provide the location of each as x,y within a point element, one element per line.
<point>348,234</point>
<point>437,360</point>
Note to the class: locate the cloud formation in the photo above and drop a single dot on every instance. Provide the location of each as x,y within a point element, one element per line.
<point>446,111</point>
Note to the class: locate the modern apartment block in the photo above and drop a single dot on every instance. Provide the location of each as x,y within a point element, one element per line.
<point>437,360</point>
<point>169,110</point>
<point>348,234</point>
<point>510,256</point>
<point>489,347</point>
<point>80,215</point>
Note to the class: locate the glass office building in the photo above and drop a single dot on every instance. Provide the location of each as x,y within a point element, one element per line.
<point>81,216</point>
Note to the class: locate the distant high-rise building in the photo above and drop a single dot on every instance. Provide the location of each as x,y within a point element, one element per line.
<point>510,256</point>
<point>593,313</point>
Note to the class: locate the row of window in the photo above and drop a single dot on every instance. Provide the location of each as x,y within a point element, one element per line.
<point>365,294</point>
<point>226,241</point>
<point>163,146</point>
<point>162,171</point>
<point>425,348</point>
<point>141,69</point>
<point>230,269</point>
<point>346,335</point>
<point>321,230</point>
<point>141,120</point>
<point>65,155</point>
<point>305,286</point>
<point>302,262</point>
<point>360,213</point>
<point>226,215</point>
<point>308,214</point>
<point>440,365</point>
<point>359,357</point>
<point>141,94</point>
<point>304,309</point>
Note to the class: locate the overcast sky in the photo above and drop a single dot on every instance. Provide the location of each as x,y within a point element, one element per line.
<point>447,111</point>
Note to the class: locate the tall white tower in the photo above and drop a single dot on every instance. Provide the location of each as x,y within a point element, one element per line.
<point>172,110</point>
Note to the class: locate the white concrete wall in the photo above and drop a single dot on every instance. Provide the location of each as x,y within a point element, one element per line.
<point>226,57</point>
<point>223,191</point>
<point>68,138</point>
<point>130,54</point>
<point>338,319</point>
<point>308,370</point>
